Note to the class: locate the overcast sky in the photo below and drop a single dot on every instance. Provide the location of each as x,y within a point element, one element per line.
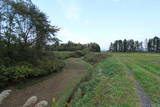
<point>103,21</point>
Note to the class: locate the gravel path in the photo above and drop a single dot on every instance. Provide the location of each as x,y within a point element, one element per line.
<point>45,89</point>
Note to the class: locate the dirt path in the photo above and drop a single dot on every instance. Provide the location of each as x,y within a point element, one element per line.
<point>144,100</point>
<point>45,89</point>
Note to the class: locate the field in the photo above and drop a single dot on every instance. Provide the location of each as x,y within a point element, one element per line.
<point>123,80</point>
<point>96,80</point>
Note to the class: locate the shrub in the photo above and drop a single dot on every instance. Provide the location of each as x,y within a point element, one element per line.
<point>46,66</point>
<point>94,58</point>
<point>63,54</point>
<point>81,53</point>
<point>13,74</point>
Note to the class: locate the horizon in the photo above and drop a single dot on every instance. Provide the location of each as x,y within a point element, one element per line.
<point>103,21</point>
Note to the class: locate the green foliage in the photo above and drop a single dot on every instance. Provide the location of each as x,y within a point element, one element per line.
<point>94,58</point>
<point>13,74</point>
<point>94,47</point>
<point>126,46</point>
<point>154,44</point>
<point>46,66</point>
<point>70,46</point>
<point>64,54</point>
<point>24,70</point>
<point>25,32</point>
<point>81,53</point>
<point>151,45</point>
<point>69,54</point>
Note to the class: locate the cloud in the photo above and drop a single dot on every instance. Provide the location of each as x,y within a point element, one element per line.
<point>70,8</point>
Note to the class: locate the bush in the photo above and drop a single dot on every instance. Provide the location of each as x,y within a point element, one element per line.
<point>63,54</point>
<point>69,54</point>
<point>24,70</point>
<point>94,58</point>
<point>81,53</point>
<point>46,66</point>
<point>13,74</point>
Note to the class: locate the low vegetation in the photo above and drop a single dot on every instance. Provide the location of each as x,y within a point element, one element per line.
<point>113,81</point>
<point>71,46</point>
<point>148,78</point>
<point>44,66</point>
<point>68,54</point>
<point>65,98</point>
<point>94,58</point>
<point>109,86</point>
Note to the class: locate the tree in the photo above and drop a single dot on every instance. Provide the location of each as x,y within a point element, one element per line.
<point>24,30</point>
<point>154,44</point>
<point>111,47</point>
<point>94,47</point>
<point>125,45</point>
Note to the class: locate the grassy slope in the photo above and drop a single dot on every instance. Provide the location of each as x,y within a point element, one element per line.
<point>110,86</point>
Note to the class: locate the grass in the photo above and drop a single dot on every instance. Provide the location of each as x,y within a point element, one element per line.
<point>110,86</point>
<point>62,101</point>
<point>145,74</point>
<point>110,83</point>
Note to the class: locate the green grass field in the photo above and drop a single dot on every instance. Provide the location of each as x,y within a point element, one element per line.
<point>114,82</point>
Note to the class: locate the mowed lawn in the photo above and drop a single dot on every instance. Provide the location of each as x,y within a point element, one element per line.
<point>114,82</point>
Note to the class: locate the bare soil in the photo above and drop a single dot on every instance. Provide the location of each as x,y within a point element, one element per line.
<point>48,87</point>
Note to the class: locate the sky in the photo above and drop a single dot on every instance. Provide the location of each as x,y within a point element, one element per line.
<point>103,21</point>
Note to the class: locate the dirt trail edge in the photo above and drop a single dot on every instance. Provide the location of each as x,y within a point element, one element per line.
<point>45,89</point>
<point>145,101</point>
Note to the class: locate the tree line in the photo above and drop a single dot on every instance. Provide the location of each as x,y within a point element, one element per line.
<point>71,46</point>
<point>154,44</point>
<point>151,45</point>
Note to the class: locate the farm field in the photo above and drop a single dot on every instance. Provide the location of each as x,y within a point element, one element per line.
<point>123,80</point>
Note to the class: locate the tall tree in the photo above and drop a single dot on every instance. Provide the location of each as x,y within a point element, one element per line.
<point>23,27</point>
